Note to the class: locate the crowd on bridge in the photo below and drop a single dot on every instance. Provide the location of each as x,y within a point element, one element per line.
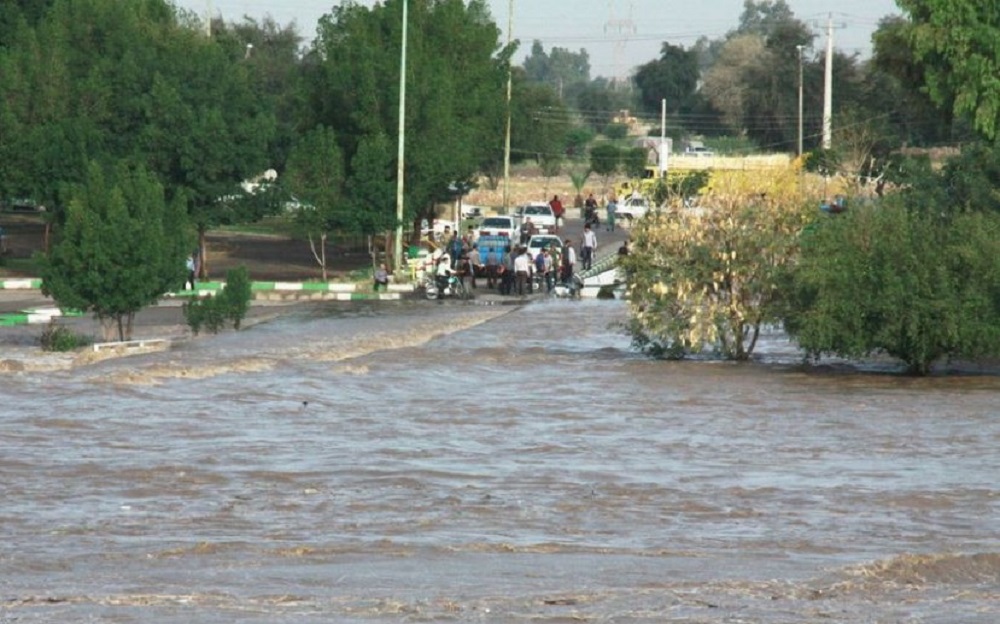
<point>511,269</point>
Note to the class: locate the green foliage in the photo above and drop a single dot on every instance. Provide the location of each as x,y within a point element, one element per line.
<point>598,101</point>
<point>615,131</point>
<point>237,295</point>
<point>954,41</point>
<point>59,338</point>
<point>633,161</point>
<point>577,139</point>
<point>907,278</point>
<point>673,77</point>
<point>558,69</point>
<point>708,279</point>
<point>605,159</point>
<point>823,162</point>
<point>579,180</point>
<point>973,178</point>
<point>896,84</point>
<point>551,165</point>
<point>122,246</point>
<point>231,305</point>
<point>455,76</point>
<point>680,187</point>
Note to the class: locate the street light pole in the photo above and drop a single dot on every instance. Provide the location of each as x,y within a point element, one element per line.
<point>800,100</point>
<point>398,250</point>
<point>506,148</point>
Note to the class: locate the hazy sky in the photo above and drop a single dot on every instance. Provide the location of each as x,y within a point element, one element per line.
<point>617,34</point>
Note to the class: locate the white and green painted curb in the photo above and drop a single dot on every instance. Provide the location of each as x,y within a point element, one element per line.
<point>267,291</point>
<point>27,283</point>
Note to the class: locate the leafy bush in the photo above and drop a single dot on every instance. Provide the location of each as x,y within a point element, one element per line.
<point>237,295</point>
<point>615,131</point>
<point>232,304</point>
<point>56,337</point>
<point>902,278</point>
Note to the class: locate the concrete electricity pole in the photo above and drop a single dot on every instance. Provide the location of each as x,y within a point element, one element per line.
<point>828,84</point>
<point>400,157</point>
<point>506,144</point>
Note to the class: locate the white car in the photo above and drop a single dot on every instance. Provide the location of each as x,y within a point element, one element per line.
<point>538,242</point>
<point>632,208</point>
<point>699,151</point>
<point>500,226</point>
<point>541,216</point>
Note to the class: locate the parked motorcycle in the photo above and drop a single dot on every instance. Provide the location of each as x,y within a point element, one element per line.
<point>453,287</point>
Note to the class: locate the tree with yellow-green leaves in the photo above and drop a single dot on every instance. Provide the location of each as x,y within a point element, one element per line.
<point>707,279</point>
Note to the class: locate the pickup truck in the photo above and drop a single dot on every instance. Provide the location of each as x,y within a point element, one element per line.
<point>541,216</point>
<point>500,226</point>
<point>498,245</point>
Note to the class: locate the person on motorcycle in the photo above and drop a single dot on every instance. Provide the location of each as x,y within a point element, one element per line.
<point>443,273</point>
<point>590,211</point>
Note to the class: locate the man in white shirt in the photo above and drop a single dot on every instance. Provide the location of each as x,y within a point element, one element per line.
<point>569,261</point>
<point>588,248</point>
<point>522,270</point>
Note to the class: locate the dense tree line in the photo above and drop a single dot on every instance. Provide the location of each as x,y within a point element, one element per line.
<point>912,275</point>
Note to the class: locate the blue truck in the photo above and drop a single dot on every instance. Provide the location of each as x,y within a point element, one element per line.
<point>498,245</point>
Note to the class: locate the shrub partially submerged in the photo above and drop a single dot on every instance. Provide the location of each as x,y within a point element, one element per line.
<point>231,304</point>
<point>58,338</point>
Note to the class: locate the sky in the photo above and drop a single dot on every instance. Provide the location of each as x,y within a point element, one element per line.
<point>617,34</point>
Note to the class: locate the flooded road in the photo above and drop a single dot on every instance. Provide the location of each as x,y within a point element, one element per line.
<point>423,462</point>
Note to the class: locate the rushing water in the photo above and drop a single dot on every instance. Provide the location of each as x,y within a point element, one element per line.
<point>422,462</point>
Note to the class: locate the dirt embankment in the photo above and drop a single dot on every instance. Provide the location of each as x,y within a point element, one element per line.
<point>267,258</point>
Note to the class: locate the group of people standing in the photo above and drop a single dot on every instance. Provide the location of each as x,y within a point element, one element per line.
<point>509,270</point>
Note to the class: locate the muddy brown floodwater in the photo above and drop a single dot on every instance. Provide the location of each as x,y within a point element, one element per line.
<point>425,462</point>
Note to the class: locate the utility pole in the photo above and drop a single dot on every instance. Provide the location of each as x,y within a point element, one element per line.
<point>208,18</point>
<point>799,47</point>
<point>400,157</point>
<point>828,82</point>
<point>622,28</point>
<point>664,152</point>
<point>506,145</point>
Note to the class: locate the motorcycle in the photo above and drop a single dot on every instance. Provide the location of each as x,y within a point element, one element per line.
<point>453,287</point>
<point>590,217</point>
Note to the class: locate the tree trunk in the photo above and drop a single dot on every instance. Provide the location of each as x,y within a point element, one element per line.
<point>202,254</point>
<point>322,252</point>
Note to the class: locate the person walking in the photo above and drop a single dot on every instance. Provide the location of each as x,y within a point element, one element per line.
<point>547,270</point>
<point>611,208</point>
<point>588,248</point>
<point>558,211</point>
<point>190,266</point>
<point>522,271</point>
<point>381,278</point>
<point>569,261</point>
<point>475,263</point>
<point>492,264</point>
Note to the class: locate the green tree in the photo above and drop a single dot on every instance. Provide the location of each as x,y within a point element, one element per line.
<point>316,176</point>
<point>903,278</point>
<point>894,85</point>
<point>634,161</point>
<point>122,246</point>
<point>955,43</point>
<point>456,82</point>
<point>708,279</point>
<point>551,165</point>
<point>106,80</point>
<point>599,101</point>
<point>560,69</point>
<point>272,55</point>
<point>673,77</point>
<point>605,160</point>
